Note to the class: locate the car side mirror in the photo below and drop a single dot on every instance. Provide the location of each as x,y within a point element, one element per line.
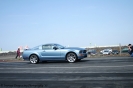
<point>55,48</point>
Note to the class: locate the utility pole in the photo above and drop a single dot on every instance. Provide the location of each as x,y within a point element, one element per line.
<point>120,48</point>
<point>90,45</point>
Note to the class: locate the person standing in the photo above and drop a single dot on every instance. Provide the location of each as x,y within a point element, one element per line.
<point>130,47</point>
<point>18,53</point>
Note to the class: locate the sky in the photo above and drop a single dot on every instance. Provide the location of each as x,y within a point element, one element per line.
<point>78,23</point>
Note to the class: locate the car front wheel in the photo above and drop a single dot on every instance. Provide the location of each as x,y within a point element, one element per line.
<point>71,57</point>
<point>34,59</point>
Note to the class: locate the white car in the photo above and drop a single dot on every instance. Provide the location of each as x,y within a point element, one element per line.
<point>107,52</point>
<point>110,50</point>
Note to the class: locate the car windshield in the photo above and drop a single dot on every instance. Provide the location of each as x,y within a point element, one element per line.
<point>59,46</point>
<point>106,51</point>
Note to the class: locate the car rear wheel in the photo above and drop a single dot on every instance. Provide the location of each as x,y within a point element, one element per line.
<point>71,57</point>
<point>34,59</point>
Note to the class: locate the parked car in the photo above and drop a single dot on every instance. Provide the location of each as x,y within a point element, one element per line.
<point>107,52</point>
<point>115,52</point>
<point>125,50</point>
<point>91,52</point>
<point>110,50</point>
<point>48,52</point>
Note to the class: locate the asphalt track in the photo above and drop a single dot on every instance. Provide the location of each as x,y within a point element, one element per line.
<point>105,72</point>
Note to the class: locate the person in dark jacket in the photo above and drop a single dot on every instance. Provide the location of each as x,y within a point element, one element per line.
<point>130,47</point>
<point>18,53</point>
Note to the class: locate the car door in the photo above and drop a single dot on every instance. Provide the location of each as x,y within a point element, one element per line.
<point>48,53</point>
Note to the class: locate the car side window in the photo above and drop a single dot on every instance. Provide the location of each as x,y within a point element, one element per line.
<point>46,47</point>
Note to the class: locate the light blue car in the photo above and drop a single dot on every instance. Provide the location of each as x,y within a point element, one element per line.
<point>50,52</point>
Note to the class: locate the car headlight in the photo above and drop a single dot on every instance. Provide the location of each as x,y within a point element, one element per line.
<point>82,51</point>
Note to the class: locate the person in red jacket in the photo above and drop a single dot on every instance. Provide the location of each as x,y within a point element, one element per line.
<point>18,53</point>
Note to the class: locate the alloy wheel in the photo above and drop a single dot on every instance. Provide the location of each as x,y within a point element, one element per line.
<point>34,59</point>
<point>71,57</point>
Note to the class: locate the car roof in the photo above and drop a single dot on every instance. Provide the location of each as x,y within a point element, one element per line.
<point>50,44</point>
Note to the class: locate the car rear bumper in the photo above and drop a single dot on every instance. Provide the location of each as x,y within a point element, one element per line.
<point>25,58</point>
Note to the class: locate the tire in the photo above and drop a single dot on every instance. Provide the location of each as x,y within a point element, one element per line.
<point>71,57</point>
<point>34,59</point>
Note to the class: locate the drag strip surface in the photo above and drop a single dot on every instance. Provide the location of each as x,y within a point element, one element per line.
<point>116,72</point>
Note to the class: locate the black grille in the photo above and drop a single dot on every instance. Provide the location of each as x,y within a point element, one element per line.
<point>83,51</point>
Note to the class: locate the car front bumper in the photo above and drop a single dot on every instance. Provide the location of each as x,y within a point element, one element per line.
<point>81,56</point>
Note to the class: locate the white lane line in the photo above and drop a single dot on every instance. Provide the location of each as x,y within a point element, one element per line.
<point>69,79</point>
<point>90,72</point>
<point>73,67</point>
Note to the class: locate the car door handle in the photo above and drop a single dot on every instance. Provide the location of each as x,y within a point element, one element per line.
<point>43,51</point>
